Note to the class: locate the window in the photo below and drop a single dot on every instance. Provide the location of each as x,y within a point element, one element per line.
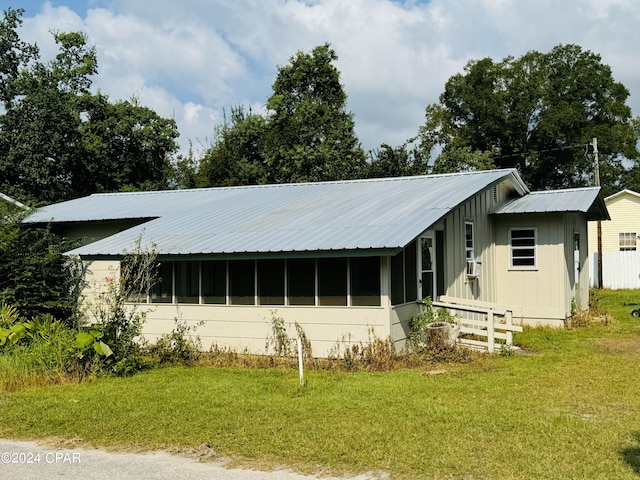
<point>522,242</point>
<point>214,281</point>
<point>332,281</point>
<point>365,281</point>
<point>162,291</point>
<point>301,281</point>
<point>271,282</point>
<point>468,241</point>
<point>187,282</point>
<point>627,241</point>
<point>242,282</point>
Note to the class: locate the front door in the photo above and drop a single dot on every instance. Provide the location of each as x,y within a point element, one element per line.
<point>427,267</point>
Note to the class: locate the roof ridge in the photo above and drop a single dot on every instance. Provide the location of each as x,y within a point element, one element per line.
<point>305,184</point>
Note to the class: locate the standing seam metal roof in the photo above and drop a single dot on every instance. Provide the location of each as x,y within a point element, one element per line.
<point>585,200</point>
<point>325,216</point>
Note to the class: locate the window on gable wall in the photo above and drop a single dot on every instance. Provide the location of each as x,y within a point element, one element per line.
<point>627,241</point>
<point>469,241</point>
<point>522,244</point>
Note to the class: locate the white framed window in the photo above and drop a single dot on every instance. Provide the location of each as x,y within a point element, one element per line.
<point>522,246</point>
<point>469,239</point>
<point>627,241</point>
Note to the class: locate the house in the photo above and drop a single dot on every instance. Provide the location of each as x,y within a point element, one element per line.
<point>343,259</point>
<point>620,250</point>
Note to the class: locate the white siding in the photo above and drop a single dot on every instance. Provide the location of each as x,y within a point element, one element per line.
<point>624,210</point>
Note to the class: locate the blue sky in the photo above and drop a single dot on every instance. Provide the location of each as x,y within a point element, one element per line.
<point>193,59</point>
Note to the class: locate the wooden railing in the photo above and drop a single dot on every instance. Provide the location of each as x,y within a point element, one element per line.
<point>496,322</point>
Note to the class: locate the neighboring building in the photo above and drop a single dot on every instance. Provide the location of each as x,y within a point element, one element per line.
<point>342,258</point>
<point>10,205</point>
<point>620,243</point>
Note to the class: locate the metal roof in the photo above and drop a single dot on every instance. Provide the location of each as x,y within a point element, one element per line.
<point>585,200</point>
<point>372,214</point>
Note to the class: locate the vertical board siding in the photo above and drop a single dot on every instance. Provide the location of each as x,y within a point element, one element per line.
<point>619,269</point>
<point>541,293</point>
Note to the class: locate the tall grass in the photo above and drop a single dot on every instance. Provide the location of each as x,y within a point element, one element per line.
<point>41,362</point>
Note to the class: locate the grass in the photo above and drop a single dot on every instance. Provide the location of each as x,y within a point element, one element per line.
<point>569,407</point>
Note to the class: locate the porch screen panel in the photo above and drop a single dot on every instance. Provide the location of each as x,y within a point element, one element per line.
<point>162,291</point>
<point>214,281</point>
<point>242,282</point>
<point>332,281</point>
<point>187,282</point>
<point>301,281</point>
<point>397,279</point>
<point>271,282</point>
<point>365,281</point>
<point>411,272</point>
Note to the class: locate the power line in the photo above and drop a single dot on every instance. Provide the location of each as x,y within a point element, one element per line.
<point>521,154</point>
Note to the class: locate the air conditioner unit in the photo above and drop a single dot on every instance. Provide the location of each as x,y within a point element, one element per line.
<point>473,269</point>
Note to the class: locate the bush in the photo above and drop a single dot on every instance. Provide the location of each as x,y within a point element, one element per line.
<point>35,276</point>
<point>419,333</point>
<point>177,347</point>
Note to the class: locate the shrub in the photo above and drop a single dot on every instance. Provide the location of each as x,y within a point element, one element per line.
<point>35,276</point>
<point>418,327</point>
<point>177,347</point>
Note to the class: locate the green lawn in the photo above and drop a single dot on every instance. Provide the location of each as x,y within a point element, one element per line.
<point>567,408</point>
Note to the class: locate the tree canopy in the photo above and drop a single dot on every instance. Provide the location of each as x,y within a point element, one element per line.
<point>538,113</point>
<point>307,134</point>
<point>60,141</point>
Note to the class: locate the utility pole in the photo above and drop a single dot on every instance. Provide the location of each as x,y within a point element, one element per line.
<point>596,174</point>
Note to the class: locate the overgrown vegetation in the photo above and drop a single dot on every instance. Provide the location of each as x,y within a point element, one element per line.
<point>35,276</point>
<point>421,340</point>
<point>181,346</point>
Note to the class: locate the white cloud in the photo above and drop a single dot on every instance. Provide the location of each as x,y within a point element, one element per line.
<point>191,59</point>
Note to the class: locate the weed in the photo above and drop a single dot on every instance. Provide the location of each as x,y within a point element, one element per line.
<point>180,346</point>
<point>283,345</point>
<point>421,338</point>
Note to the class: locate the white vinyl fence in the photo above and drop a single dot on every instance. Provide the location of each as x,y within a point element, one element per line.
<point>619,269</point>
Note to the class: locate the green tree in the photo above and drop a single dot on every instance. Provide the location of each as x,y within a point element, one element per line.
<point>311,136</point>
<point>236,156</point>
<point>125,146</point>
<point>388,161</point>
<point>537,113</point>
<point>57,139</point>
<point>35,276</point>
<point>39,135</point>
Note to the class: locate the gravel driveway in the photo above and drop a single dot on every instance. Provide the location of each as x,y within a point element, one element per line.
<point>28,460</point>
